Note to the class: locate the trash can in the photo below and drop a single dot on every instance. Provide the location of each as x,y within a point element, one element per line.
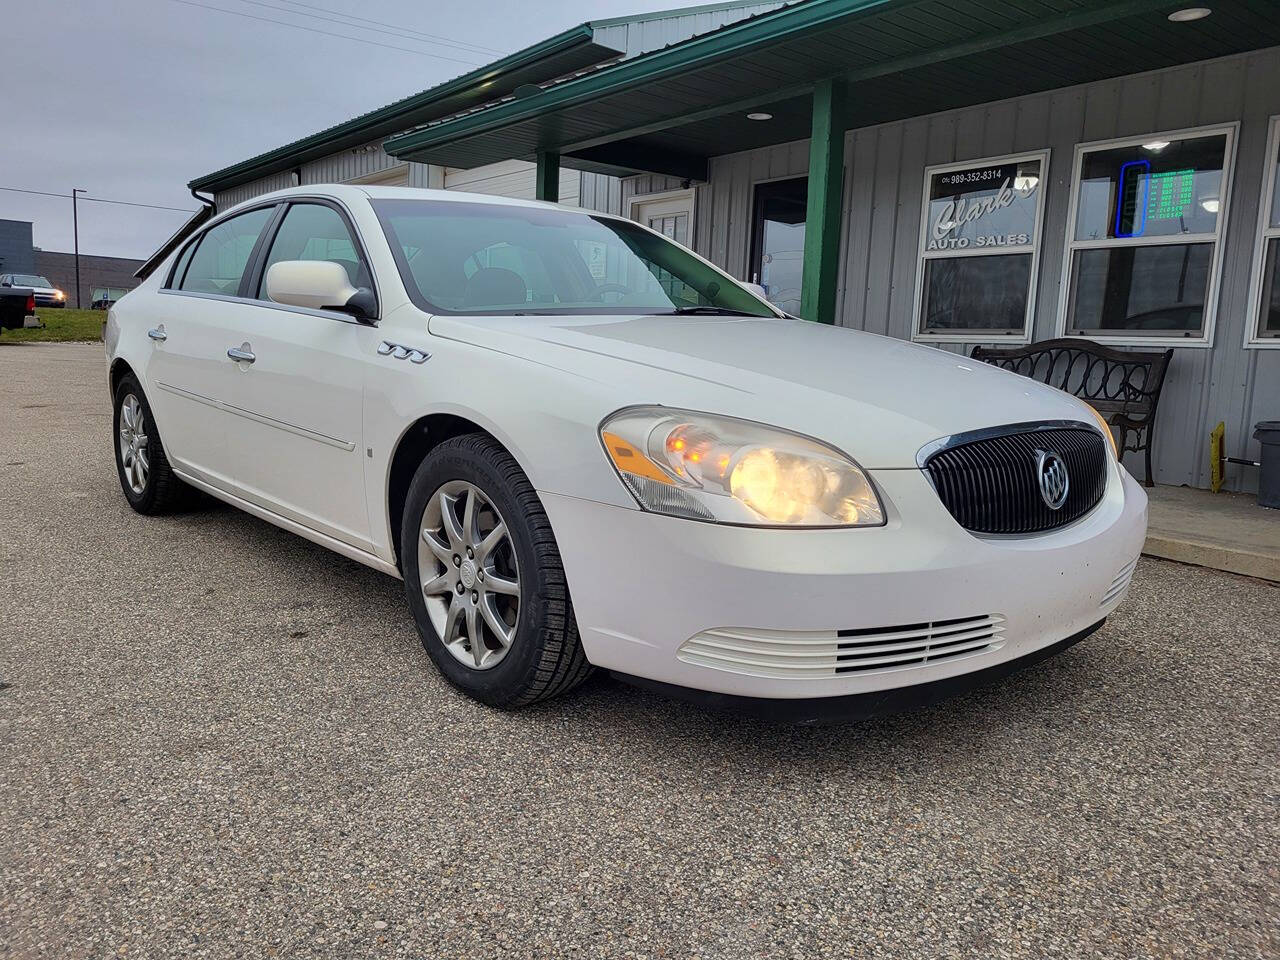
<point>1267,432</point>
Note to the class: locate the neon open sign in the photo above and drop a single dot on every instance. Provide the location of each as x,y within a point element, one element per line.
<point>1143,195</point>
<point>1135,182</point>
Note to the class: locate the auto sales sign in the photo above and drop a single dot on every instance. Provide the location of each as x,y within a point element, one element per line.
<point>988,207</point>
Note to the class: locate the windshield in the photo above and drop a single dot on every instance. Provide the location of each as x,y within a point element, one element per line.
<point>28,280</point>
<point>492,259</point>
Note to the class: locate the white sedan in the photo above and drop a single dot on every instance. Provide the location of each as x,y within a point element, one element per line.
<point>580,445</point>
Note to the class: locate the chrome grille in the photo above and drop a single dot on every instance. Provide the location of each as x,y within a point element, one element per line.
<point>991,484</point>
<point>799,655</point>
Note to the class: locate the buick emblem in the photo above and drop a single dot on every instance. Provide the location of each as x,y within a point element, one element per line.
<point>1054,482</point>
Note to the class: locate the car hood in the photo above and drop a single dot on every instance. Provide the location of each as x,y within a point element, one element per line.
<point>876,398</point>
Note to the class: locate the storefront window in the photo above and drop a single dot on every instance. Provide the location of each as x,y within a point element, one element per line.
<point>979,248</point>
<point>1268,299</point>
<point>1144,250</point>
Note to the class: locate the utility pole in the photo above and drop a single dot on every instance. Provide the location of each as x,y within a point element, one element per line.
<point>75,231</point>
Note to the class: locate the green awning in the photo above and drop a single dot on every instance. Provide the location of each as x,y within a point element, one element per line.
<point>668,111</point>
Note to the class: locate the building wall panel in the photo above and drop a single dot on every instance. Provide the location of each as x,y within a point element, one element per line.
<point>510,178</point>
<point>652,33</point>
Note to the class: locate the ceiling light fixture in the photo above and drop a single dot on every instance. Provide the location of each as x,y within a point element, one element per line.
<point>1188,14</point>
<point>1155,146</point>
<point>759,116</point>
<point>1210,204</point>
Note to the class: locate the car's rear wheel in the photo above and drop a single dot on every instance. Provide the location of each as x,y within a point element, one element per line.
<point>146,478</point>
<point>484,579</point>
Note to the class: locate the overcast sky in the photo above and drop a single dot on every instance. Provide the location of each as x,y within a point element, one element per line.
<point>130,99</point>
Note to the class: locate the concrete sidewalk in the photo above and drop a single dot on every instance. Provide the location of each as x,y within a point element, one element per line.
<point>1226,531</point>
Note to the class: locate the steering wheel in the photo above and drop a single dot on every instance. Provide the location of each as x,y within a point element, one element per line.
<point>604,288</point>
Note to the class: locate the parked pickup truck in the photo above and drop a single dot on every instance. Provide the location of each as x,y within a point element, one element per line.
<point>16,303</point>
<point>47,295</point>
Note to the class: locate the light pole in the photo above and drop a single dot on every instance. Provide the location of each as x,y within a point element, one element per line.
<point>75,232</point>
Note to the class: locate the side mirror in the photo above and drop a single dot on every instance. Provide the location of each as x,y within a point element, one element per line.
<point>319,285</point>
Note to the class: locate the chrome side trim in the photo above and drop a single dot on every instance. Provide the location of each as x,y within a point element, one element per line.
<point>986,433</point>
<point>268,304</point>
<point>296,430</point>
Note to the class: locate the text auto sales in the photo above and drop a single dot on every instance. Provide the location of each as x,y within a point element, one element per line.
<point>956,213</point>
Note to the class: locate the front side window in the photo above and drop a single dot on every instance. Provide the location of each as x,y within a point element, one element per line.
<point>313,231</point>
<point>1267,273</point>
<point>979,248</point>
<point>477,258</point>
<point>223,253</point>
<point>1145,239</point>
<point>180,266</point>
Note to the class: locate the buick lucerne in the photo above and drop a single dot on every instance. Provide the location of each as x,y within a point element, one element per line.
<point>581,445</point>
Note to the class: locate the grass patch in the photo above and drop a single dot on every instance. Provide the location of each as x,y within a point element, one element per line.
<point>60,325</point>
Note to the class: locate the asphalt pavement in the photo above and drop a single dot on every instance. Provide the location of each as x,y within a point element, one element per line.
<point>218,740</point>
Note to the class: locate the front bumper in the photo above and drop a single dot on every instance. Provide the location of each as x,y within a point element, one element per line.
<point>858,706</point>
<point>644,585</point>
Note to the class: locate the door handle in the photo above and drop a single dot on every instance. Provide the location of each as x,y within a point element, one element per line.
<point>242,352</point>
<point>158,334</point>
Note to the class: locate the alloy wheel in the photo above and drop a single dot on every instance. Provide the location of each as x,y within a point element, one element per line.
<point>134,456</point>
<point>470,575</point>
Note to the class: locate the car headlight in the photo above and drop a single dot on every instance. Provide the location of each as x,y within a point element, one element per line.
<point>724,470</point>
<point>59,295</point>
<point>1106,430</point>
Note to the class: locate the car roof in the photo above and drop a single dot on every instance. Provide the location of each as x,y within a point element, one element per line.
<point>355,192</point>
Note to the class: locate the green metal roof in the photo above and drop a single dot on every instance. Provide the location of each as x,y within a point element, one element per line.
<point>677,12</point>
<point>558,56</point>
<point>669,110</point>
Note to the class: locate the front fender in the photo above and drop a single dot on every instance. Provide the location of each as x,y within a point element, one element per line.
<point>546,418</point>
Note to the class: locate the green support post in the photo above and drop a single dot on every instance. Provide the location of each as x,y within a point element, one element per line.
<point>548,185</point>
<point>822,215</point>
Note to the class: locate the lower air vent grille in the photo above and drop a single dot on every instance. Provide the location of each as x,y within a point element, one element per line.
<point>784,654</point>
<point>1120,582</point>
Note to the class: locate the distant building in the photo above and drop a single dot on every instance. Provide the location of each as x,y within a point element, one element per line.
<point>15,247</point>
<point>112,276</point>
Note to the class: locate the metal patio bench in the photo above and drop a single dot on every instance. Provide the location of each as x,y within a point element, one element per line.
<point>1124,386</point>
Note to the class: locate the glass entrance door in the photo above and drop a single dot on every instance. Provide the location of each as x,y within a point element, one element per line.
<point>777,240</point>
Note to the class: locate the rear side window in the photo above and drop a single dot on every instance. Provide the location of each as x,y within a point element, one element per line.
<point>223,252</point>
<point>313,231</point>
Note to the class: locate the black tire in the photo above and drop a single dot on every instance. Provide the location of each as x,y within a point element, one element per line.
<point>163,492</point>
<point>545,657</point>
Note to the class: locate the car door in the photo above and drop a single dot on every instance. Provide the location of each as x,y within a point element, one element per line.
<point>292,384</point>
<point>188,344</point>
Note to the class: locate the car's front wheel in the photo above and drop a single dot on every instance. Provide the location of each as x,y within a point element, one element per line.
<point>483,577</point>
<point>146,478</point>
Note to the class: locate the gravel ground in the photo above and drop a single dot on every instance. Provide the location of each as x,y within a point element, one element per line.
<point>219,740</point>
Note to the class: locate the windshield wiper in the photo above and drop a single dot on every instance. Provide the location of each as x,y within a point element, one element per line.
<point>719,311</point>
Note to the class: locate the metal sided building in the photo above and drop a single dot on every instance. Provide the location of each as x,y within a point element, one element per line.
<point>954,172</point>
